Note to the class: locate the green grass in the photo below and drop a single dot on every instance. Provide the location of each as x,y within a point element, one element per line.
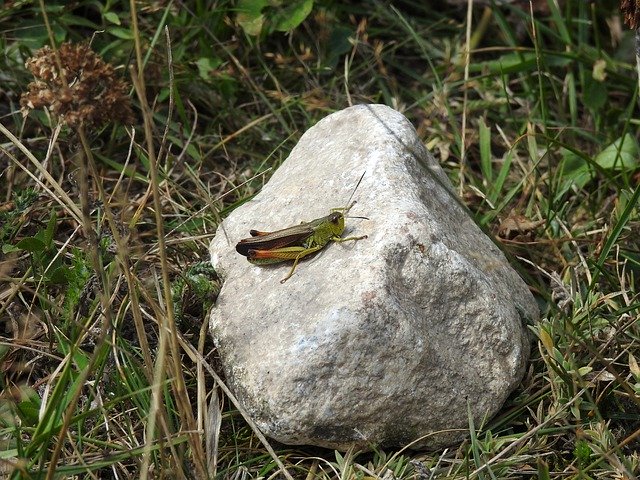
<point>109,375</point>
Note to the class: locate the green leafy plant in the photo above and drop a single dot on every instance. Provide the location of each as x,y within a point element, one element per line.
<point>267,16</point>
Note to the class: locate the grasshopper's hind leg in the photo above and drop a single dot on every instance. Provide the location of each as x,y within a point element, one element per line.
<point>295,263</point>
<point>302,254</point>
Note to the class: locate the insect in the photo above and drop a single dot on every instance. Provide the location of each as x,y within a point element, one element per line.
<point>294,243</point>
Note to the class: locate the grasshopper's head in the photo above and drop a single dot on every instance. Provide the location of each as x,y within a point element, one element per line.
<point>336,223</point>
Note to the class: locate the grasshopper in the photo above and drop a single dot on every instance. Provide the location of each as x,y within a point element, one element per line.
<point>294,243</point>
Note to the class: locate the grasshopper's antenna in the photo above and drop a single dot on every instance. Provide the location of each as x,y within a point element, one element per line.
<point>354,190</point>
<point>349,204</point>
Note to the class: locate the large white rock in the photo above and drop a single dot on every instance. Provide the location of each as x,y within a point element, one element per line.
<point>383,340</point>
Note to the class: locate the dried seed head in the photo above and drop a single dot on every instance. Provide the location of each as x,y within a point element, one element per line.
<point>631,11</point>
<point>86,92</point>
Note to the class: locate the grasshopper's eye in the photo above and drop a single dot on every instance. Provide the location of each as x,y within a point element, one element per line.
<point>335,218</point>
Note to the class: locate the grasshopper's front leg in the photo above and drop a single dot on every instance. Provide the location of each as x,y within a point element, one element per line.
<point>355,239</point>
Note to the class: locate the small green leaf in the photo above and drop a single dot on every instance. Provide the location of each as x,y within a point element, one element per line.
<point>251,8</point>
<point>623,153</point>
<point>250,16</point>
<point>546,340</point>
<point>595,94</point>
<point>206,65</point>
<point>253,25</point>
<point>8,248</point>
<point>292,15</point>
<point>112,17</point>
<point>582,451</point>
<point>80,359</point>
<point>633,366</point>
<point>51,229</point>
<point>582,371</point>
<point>28,413</point>
<point>599,72</point>
<point>69,19</point>
<point>29,406</point>
<point>31,244</point>
<point>122,33</point>
<point>338,45</point>
<point>31,35</point>
<point>60,275</point>
<point>575,170</point>
<point>484,133</point>
<point>520,62</point>
<point>543,470</point>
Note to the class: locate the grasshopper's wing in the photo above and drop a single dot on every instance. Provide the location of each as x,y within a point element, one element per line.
<point>272,240</point>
